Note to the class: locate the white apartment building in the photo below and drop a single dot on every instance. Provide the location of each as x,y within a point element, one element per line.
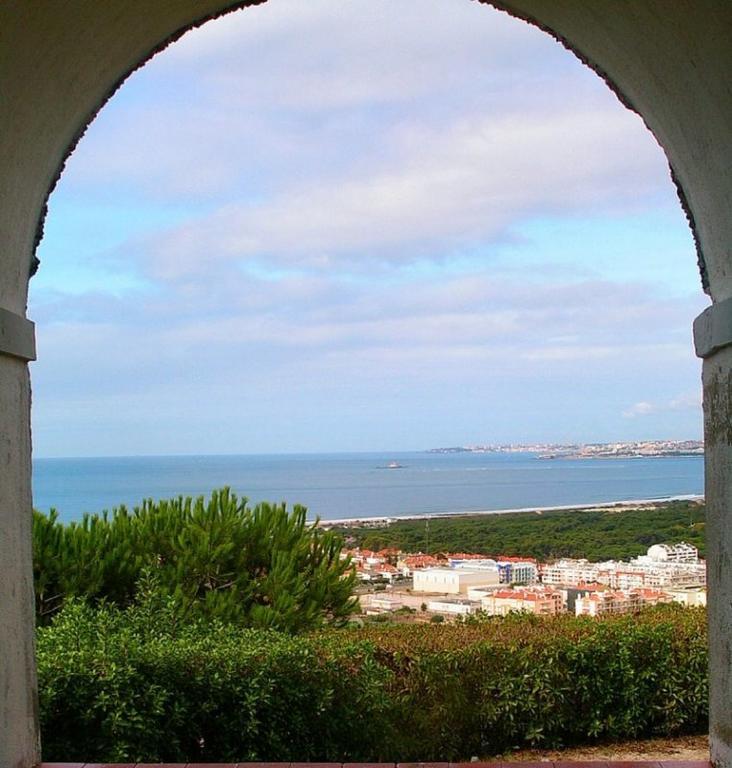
<point>452,581</point>
<point>569,572</point>
<point>657,576</point>
<point>642,572</point>
<point>509,571</point>
<point>675,553</point>
<point>523,572</point>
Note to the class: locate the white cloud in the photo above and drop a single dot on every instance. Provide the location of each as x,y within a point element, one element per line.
<point>690,401</point>
<point>300,89</point>
<point>348,173</point>
<point>442,189</point>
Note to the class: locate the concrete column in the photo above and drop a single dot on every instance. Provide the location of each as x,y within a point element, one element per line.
<point>19,740</point>
<point>713,341</point>
<point>717,378</point>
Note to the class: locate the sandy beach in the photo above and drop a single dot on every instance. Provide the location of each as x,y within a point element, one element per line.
<point>628,504</point>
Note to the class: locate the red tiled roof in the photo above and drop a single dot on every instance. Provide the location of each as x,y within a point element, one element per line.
<point>515,559</point>
<point>385,568</point>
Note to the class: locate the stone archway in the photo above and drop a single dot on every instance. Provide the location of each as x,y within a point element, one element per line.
<point>59,63</point>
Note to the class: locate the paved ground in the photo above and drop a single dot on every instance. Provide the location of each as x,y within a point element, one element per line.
<point>683,752</point>
<point>681,748</point>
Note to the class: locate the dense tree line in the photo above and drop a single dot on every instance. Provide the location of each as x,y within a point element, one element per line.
<point>614,533</point>
<point>218,558</point>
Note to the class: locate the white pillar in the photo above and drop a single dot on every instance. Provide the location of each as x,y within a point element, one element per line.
<point>19,740</point>
<point>713,338</point>
<point>717,377</point>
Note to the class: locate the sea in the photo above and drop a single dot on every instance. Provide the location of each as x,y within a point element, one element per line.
<point>365,485</point>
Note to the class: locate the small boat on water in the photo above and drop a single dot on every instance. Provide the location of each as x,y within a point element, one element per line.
<point>394,465</point>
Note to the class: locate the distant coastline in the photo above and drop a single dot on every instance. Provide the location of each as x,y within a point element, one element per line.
<point>666,455</point>
<point>639,449</point>
<point>359,522</point>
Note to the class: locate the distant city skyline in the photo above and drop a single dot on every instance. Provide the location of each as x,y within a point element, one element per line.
<point>357,226</point>
<point>467,447</point>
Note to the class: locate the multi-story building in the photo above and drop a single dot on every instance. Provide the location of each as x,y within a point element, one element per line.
<point>546,602</point>
<point>518,572</point>
<point>682,568</point>
<point>618,601</point>
<point>599,603</point>
<point>569,572</point>
<point>655,575</point>
<point>511,570</point>
<point>673,553</point>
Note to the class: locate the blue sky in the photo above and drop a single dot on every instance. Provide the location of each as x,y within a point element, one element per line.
<point>363,225</point>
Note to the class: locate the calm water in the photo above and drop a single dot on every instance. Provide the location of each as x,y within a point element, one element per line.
<point>361,485</point>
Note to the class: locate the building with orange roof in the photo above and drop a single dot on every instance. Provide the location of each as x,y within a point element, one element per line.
<point>541,601</point>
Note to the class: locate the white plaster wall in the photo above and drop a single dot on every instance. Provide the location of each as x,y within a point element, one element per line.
<point>718,482</point>
<point>18,727</point>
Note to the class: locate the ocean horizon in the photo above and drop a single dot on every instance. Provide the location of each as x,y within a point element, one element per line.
<point>363,485</point>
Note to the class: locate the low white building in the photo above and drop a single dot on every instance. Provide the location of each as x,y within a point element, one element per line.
<point>379,603</point>
<point>452,581</point>
<point>452,607</point>
<point>478,593</point>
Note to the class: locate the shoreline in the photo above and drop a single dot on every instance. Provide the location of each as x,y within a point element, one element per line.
<point>365,522</point>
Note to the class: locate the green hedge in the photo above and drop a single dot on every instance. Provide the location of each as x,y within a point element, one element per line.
<point>127,685</point>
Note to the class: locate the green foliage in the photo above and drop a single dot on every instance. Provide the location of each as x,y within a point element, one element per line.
<point>615,533</point>
<point>491,685</point>
<point>139,684</point>
<point>261,567</point>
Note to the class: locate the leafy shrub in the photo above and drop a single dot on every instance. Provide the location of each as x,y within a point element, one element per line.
<point>140,684</point>
<point>127,685</point>
<point>552,681</point>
